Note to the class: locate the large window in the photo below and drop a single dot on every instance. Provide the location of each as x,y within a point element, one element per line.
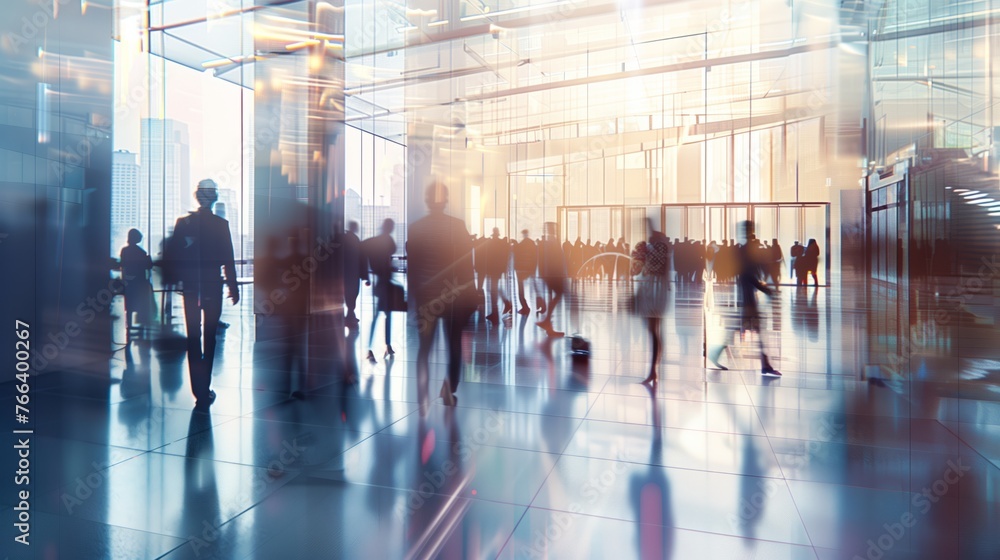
<point>175,126</point>
<point>376,184</point>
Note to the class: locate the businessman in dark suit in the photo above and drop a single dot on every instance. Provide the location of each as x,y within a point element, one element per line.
<point>203,247</point>
<point>355,270</point>
<point>441,279</point>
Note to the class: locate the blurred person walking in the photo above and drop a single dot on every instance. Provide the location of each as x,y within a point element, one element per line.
<point>797,253</point>
<point>497,261</point>
<point>200,247</point>
<point>443,283</point>
<point>378,251</point>
<point>552,270</point>
<point>525,262</point>
<point>355,270</point>
<point>652,295</point>
<point>749,263</point>
<point>811,263</point>
<point>135,265</point>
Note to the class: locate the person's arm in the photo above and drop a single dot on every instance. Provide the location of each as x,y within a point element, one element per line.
<point>465,272</point>
<point>367,260</point>
<point>760,285</point>
<point>362,263</point>
<point>229,266</point>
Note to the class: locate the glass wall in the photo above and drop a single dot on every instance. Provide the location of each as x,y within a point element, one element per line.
<point>375,174</point>
<point>932,73</point>
<point>933,76</point>
<point>56,120</point>
<point>175,125</point>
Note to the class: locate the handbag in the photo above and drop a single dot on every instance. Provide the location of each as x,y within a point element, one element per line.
<point>397,297</point>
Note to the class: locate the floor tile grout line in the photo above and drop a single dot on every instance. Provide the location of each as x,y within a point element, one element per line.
<point>552,469</point>
<point>701,531</point>
<point>788,488</point>
<point>967,444</point>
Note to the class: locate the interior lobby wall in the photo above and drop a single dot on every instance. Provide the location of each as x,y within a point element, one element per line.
<point>56,112</point>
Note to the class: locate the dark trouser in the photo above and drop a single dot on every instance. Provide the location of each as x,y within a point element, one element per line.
<point>521,277</point>
<point>557,286</point>
<point>751,322</point>
<point>207,300</point>
<point>453,321</point>
<point>351,290</point>
<point>656,339</point>
<point>294,336</point>
<point>494,285</point>
<point>480,279</point>
<point>382,293</point>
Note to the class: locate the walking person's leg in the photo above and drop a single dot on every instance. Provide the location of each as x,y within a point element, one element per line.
<point>504,293</point>
<point>524,310</point>
<point>192,322</point>
<point>211,304</point>
<point>371,328</point>
<point>766,369</point>
<point>426,327</point>
<point>377,301</point>
<point>540,288</point>
<point>453,326</point>
<point>653,326</point>
<point>556,287</point>
<point>388,331</point>
<point>493,282</point>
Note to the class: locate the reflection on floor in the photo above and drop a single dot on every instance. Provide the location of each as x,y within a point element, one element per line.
<point>544,456</point>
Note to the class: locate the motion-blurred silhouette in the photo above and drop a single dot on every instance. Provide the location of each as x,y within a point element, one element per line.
<point>525,262</point>
<point>135,266</point>
<point>798,252</point>
<point>497,259</point>
<point>355,270</point>
<point>811,262</point>
<point>652,294</point>
<point>748,284</point>
<point>442,281</point>
<point>552,270</point>
<point>202,245</point>
<point>378,251</point>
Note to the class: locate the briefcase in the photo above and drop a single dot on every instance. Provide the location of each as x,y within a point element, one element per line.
<point>579,346</point>
<point>397,297</point>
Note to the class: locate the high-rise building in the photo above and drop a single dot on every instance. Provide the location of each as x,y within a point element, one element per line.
<point>125,195</point>
<point>165,177</point>
<point>228,207</point>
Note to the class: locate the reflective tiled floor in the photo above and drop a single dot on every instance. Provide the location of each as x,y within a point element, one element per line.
<point>852,454</point>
